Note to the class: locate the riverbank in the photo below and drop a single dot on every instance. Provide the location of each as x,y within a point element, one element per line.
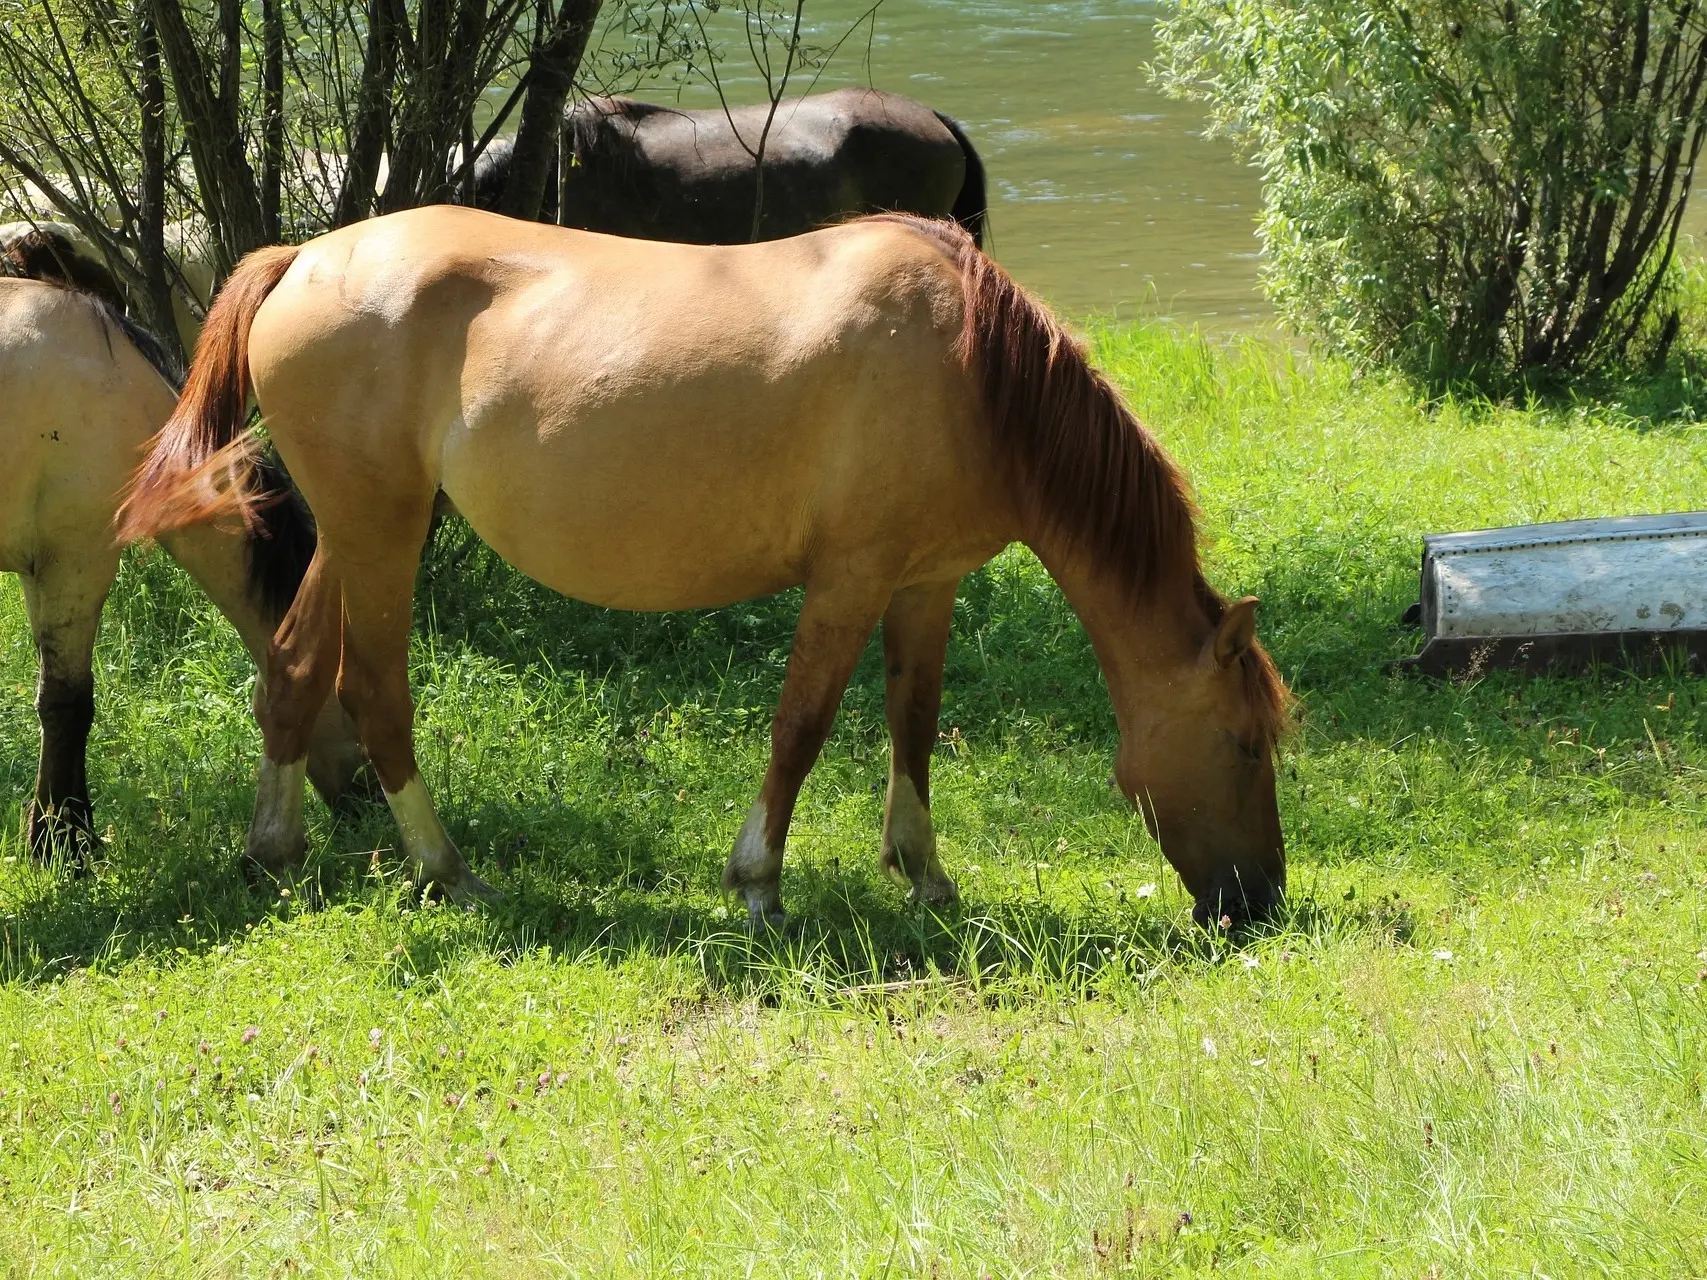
<point>1476,1042</point>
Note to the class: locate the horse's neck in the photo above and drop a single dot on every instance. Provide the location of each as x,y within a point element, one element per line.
<point>219,562</point>
<point>1140,643</point>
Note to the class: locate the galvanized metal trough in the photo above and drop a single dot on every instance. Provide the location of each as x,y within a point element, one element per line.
<point>1630,591</point>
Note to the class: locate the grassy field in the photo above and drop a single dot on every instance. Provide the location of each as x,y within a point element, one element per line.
<point>1474,1045</point>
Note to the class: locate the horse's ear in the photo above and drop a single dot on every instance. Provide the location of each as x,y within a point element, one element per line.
<point>1235,634</point>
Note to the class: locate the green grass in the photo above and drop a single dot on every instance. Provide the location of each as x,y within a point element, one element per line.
<point>1474,1046</point>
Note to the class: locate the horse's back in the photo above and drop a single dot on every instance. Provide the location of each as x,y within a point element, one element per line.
<point>884,151</point>
<point>451,277</point>
<point>690,175</point>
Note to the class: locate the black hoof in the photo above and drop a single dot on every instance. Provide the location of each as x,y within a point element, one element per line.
<point>67,831</point>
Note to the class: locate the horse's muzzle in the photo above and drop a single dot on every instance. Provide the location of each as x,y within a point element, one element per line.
<point>1243,901</point>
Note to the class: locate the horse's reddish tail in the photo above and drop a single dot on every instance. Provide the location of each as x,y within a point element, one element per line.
<point>201,466</point>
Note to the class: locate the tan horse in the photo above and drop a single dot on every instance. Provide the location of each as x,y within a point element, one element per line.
<point>81,391</point>
<point>871,410</point>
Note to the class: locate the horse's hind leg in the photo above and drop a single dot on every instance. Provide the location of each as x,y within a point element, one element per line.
<point>833,629</point>
<point>915,641</point>
<point>373,684</point>
<point>301,663</point>
<point>63,596</point>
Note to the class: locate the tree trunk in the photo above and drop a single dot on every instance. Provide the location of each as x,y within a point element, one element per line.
<point>213,130</point>
<point>421,52</point>
<point>373,117</point>
<point>551,75</point>
<point>775,93</point>
<point>272,117</point>
<point>465,184</point>
<point>441,61</point>
<point>156,300</point>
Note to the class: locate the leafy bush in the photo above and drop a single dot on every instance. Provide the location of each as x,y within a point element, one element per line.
<point>1481,190</point>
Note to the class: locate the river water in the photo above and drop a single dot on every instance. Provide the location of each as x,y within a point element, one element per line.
<point>1104,195</point>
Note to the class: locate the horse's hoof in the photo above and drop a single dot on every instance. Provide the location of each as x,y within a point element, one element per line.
<point>262,866</point>
<point>287,881</point>
<point>277,851</point>
<point>939,895</point>
<point>890,865</point>
<point>765,915</point>
<point>67,832</point>
<point>465,890</point>
<point>763,902</point>
<point>930,887</point>
<point>763,921</point>
<point>474,890</point>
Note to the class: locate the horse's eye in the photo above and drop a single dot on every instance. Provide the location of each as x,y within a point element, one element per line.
<point>1252,752</point>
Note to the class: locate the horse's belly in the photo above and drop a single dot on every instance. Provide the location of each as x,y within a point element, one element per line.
<point>721,435</point>
<point>626,536</point>
<point>635,564</point>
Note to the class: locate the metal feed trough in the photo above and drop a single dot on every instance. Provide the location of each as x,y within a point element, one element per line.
<point>1628,590</point>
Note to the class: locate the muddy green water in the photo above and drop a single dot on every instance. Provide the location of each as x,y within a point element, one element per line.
<point>1105,196</point>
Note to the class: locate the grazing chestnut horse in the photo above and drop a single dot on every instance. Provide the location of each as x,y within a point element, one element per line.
<point>81,391</point>
<point>871,410</point>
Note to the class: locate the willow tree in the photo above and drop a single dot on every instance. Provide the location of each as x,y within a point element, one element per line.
<point>1481,189</point>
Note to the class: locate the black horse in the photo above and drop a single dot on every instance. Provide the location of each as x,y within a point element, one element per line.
<point>661,173</point>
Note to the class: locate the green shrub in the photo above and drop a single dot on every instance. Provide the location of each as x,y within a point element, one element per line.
<point>1480,190</point>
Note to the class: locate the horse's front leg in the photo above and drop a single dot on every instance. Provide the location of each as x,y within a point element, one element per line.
<point>63,599</point>
<point>915,642</point>
<point>834,625</point>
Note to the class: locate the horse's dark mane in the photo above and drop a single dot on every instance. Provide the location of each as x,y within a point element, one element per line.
<point>584,127</point>
<point>149,347</point>
<point>47,257</point>
<point>1090,478</point>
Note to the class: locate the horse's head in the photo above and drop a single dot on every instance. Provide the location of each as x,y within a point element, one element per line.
<point>1095,496</point>
<point>1197,759</point>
